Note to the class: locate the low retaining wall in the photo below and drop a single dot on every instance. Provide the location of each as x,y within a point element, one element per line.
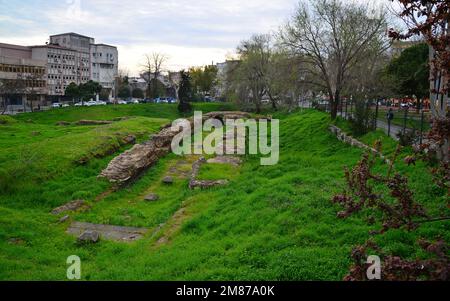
<point>342,136</point>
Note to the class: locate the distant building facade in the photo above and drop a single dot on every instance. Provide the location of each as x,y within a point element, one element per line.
<point>104,66</point>
<point>398,47</point>
<point>223,70</point>
<point>23,78</point>
<point>68,58</point>
<point>64,66</point>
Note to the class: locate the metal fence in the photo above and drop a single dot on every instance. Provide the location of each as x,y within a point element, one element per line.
<point>392,119</point>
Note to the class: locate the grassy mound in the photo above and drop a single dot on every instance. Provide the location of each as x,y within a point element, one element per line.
<point>270,223</point>
<point>4,120</point>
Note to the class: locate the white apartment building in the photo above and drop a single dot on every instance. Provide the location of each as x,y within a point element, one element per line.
<point>104,66</point>
<point>64,66</point>
<point>99,61</point>
<point>68,58</point>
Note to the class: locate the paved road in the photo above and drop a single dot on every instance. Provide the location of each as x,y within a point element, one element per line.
<point>395,129</point>
<point>383,125</point>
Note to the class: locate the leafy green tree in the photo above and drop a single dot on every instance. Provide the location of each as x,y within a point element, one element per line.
<point>137,93</point>
<point>124,92</point>
<point>203,79</point>
<point>409,73</point>
<point>185,92</point>
<point>89,90</point>
<point>73,90</point>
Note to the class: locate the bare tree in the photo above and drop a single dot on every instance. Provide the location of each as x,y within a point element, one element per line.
<point>10,88</point>
<point>251,76</point>
<point>175,81</point>
<point>152,67</point>
<point>123,72</point>
<point>34,80</point>
<point>288,80</point>
<point>332,36</point>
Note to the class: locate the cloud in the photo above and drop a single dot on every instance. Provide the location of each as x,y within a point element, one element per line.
<point>191,32</point>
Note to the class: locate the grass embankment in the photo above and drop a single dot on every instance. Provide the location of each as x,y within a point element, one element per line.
<point>270,223</point>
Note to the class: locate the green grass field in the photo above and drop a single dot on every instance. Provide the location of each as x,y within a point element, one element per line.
<point>270,223</point>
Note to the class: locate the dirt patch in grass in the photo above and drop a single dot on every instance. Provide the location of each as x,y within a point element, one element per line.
<point>173,226</point>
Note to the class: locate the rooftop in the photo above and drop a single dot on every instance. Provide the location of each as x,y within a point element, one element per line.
<point>11,46</point>
<point>54,46</point>
<point>101,44</point>
<point>72,34</point>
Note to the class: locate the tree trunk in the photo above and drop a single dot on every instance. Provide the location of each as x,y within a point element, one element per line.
<point>258,106</point>
<point>334,102</point>
<point>273,101</point>
<point>4,105</point>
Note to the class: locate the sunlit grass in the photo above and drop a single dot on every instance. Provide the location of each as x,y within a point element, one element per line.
<point>269,223</point>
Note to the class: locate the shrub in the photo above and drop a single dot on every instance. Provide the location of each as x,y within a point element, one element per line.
<point>408,137</point>
<point>362,120</point>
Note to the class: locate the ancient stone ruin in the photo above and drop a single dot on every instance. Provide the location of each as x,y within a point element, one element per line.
<point>203,184</point>
<point>342,136</point>
<point>88,232</point>
<point>131,163</point>
<point>71,206</point>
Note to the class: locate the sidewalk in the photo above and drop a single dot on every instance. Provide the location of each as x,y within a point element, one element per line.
<point>383,125</point>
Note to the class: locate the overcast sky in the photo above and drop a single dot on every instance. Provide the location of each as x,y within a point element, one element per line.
<point>190,32</point>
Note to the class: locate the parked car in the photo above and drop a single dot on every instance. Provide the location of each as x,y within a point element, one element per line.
<point>65,105</point>
<point>164,100</point>
<point>78,104</point>
<point>100,103</point>
<point>90,103</point>
<point>405,105</point>
<point>121,102</point>
<point>56,105</point>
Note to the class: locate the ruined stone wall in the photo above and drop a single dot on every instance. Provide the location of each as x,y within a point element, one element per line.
<point>344,137</point>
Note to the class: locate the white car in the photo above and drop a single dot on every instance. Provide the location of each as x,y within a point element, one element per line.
<point>121,102</point>
<point>56,105</point>
<point>100,103</point>
<point>91,103</point>
<point>79,104</point>
<point>65,106</point>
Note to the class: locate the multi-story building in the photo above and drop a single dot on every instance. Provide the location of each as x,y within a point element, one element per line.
<point>64,66</point>
<point>100,61</point>
<point>104,66</point>
<point>68,58</point>
<point>23,78</point>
